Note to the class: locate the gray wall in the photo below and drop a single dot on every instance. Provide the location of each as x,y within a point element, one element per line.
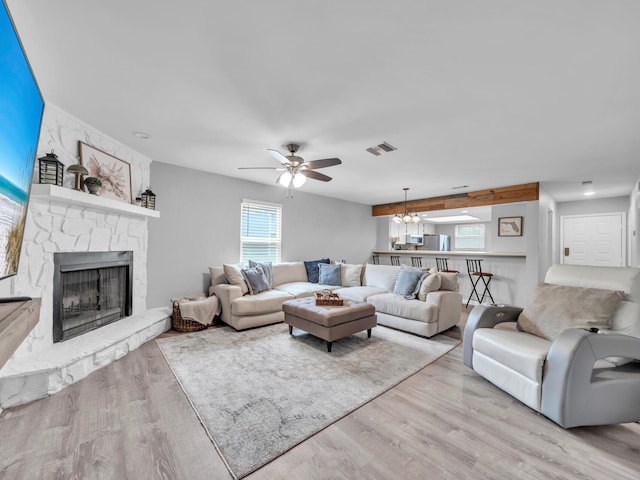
<point>199,226</point>
<point>594,206</point>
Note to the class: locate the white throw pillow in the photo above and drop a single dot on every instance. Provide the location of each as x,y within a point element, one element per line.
<point>233,272</point>
<point>351,275</point>
<point>429,284</point>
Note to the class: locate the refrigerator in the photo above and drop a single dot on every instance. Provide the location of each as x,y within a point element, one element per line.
<point>436,242</point>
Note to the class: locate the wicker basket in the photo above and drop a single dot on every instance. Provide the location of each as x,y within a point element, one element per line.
<point>328,298</point>
<point>180,324</point>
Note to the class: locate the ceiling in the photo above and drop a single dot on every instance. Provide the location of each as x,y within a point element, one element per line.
<point>483,94</point>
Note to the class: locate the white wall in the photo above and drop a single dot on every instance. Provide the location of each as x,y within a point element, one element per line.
<point>634,226</point>
<point>548,242</point>
<point>200,226</point>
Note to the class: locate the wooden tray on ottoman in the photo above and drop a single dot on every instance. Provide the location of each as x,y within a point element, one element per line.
<point>329,298</point>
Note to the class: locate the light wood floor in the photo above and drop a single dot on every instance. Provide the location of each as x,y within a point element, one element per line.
<point>131,420</point>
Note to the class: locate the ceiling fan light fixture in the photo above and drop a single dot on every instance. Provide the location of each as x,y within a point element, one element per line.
<point>285,179</point>
<point>298,180</point>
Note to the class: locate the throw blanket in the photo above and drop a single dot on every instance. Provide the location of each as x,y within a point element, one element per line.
<point>198,308</point>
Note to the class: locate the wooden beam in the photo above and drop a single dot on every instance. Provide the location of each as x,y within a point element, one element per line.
<point>493,196</point>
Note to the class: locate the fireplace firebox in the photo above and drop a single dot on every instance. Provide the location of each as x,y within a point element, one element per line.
<point>90,290</point>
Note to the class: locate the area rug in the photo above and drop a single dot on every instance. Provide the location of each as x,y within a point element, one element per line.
<point>260,392</point>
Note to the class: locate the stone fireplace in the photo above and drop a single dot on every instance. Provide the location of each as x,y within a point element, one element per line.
<point>61,219</point>
<point>102,245</point>
<point>90,290</point>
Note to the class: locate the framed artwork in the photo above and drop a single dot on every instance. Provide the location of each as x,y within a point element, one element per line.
<point>114,173</point>
<point>510,226</point>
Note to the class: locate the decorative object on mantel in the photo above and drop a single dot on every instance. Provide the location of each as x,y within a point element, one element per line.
<point>51,169</point>
<point>114,173</point>
<point>510,226</point>
<point>93,184</point>
<point>138,201</point>
<point>406,218</point>
<point>78,170</point>
<point>148,199</point>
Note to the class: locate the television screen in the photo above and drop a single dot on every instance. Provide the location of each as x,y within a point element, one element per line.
<point>21,108</point>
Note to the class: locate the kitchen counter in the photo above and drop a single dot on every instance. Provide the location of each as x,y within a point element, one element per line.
<point>450,253</point>
<point>509,270</point>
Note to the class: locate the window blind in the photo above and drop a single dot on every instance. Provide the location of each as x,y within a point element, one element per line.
<point>260,235</point>
<point>469,237</point>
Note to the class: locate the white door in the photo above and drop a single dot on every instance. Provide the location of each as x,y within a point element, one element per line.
<point>593,240</point>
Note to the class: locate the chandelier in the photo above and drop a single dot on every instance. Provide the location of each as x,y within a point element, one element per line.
<point>406,218</point>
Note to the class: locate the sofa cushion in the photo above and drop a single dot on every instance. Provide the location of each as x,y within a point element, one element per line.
<point>217,275</point>
<point>313,272</point>
<point>554,308</point>
<point>330,274</point>
<point>267,268</point>
<point>265,302</point>
<point>431,283</point>
<point>381,276</point>
<point>448,281</point>
<point>351,275</point>
<point>256,280</point>
<point>409,281</point>
<point>233,272</point>
<point>287,272</point>
<point>397,305</point>
<point>303,289</point>
<point>359,293</point>
<point>520,352</point>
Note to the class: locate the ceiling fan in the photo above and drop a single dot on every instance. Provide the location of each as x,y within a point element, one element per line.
<point>295,170</point>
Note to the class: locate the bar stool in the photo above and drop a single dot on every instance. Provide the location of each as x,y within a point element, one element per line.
<point>375,259</point>
<point>442,265</point>
<point>474,269</point>
<point>395,259</point>
<point>416,261</point>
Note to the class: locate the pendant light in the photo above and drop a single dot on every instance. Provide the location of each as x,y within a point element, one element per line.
<point>406,217</point>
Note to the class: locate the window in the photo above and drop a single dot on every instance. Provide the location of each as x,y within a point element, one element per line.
<point>260,235</point>
<point>469,237</point>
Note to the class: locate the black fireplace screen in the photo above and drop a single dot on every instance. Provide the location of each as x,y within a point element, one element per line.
<point>91,289</point>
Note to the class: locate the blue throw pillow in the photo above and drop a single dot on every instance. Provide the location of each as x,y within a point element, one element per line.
<point>266,268</point>
<point>313,272</point>
<point>408,281</point>
<point>330,274</point>
<point>256,280</point>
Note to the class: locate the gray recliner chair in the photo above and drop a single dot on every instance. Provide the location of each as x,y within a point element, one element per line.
<point>581,376</point>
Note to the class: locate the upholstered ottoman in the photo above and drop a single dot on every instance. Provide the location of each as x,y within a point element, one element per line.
<point>329,323</point>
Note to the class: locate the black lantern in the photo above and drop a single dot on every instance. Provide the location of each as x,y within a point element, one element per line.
<point>51,169</point>
<point>148,199</point>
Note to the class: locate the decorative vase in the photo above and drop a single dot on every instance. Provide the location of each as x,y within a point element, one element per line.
<point>93,188</point>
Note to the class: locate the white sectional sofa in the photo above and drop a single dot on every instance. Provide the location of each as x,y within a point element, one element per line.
<point>438,311</point>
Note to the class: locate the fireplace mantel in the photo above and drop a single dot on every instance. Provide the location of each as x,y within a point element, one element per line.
<point>69,196</point>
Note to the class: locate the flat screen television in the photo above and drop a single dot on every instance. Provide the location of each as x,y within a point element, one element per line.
<point>21,109</point>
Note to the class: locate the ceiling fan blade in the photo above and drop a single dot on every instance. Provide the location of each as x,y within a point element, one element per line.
<point>315,175</point>
<point>278,156</point>
<point>326,162</point>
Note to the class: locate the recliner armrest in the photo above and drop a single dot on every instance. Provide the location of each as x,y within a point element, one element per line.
<point>567,398</point>
<point>485,316</point>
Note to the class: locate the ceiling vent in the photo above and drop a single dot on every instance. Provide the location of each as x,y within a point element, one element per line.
<point>378,150</point>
